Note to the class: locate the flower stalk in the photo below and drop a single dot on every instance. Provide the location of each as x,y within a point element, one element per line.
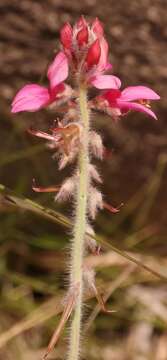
<point>84,57</point>
<point>80,224</point>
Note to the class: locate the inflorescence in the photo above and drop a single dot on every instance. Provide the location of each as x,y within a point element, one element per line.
<point>83,62</point>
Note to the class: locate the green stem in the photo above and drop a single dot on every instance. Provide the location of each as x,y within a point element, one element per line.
<point>80,226</point>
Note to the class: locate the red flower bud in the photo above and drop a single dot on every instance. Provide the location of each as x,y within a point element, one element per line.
<point>66,35</point>
<point>97,27</point>
<point>81,22</point>
<point>93,54</point>
<point>82,36</point>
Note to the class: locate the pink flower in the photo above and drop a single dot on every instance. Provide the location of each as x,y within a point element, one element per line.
<point>137,98</point>
<point>34,97</point>
<point>87,51</point>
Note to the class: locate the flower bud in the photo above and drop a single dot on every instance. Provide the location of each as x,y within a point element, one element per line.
<point>82,36</point>
<point>81,22</point>
<point>97,27</point>
<point>66,35</point>
<point>93,54</point>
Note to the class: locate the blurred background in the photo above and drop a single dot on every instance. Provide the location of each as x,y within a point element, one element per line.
<point>33,247</point>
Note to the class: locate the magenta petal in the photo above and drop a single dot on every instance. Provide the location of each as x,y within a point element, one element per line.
<point>123,105</point>
<point>58,70</point>
<point>106,82</point>
<point>138,92</point>
<point>31,97</point>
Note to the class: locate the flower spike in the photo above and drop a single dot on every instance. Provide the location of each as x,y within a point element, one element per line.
<point>83,59</point>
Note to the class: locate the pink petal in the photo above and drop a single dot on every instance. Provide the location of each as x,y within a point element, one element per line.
<point>108,66</point>
<point>97,27</point>
<point>31,97</point>
<point>58,70</point>
<point>103,61</point>
<point>106,82</point>
<point>56,91</point>
<point>138,92</point>
<point>123,105</point>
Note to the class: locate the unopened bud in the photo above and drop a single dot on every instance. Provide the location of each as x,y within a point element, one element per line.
<point>81,22</point>
<point>97,27</point>
<point>93,55</point>
<point>66,35</point>
<point>82,36</point>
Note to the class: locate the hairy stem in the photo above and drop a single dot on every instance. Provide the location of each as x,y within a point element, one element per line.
<point>80,225</point>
